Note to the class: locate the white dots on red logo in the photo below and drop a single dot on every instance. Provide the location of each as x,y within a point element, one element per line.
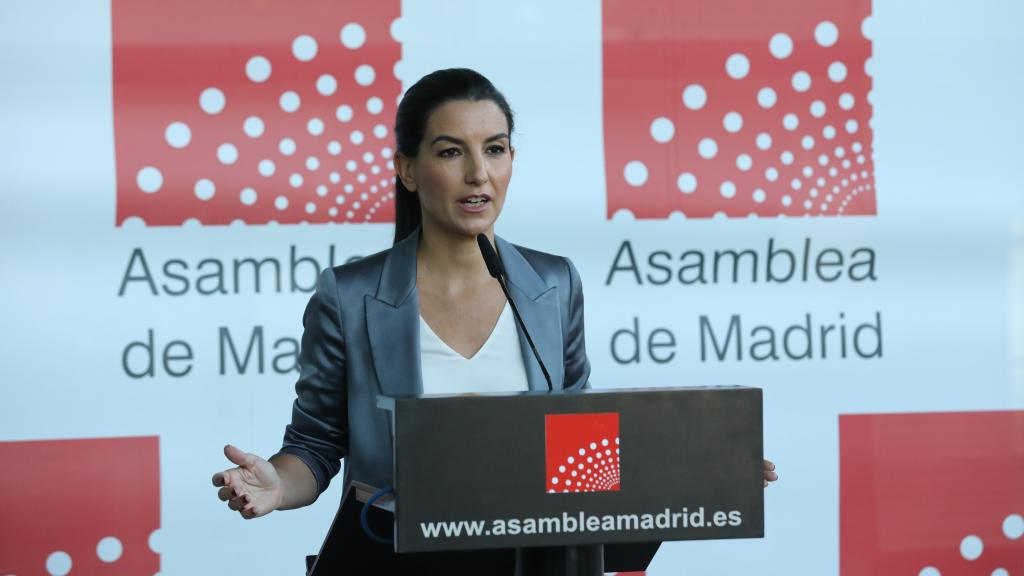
<point>594,468</point>
<point>112,531</point>
<point>972,547</point>
<point>721,111</point>
<point>894,468</point>
<point>255,113</point>
<point>582,452</point>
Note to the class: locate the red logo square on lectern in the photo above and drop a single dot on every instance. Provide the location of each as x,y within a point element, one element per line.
<point>582,452</point>
<point>738,107</point>
<point>254,112</point>
<point>932,494</point>
<point>86,506</point>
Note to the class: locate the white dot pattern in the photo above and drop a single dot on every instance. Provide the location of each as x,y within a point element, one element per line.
<point>599,472</point>
<point>749,135</point>
<point>307,103</point>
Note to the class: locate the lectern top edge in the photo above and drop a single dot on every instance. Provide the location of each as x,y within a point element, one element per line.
<point>388,402</point>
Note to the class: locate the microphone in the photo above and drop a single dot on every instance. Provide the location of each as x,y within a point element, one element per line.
<point>497,270</point>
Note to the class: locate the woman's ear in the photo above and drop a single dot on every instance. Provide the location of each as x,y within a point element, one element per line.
<point>512,152</point>
<point>403,166</point>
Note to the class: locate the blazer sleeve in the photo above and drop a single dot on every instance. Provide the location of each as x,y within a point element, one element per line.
<point>577,366</point>
<point>318,433</point>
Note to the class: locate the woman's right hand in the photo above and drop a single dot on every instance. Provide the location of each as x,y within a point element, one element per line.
<point>253,488</point>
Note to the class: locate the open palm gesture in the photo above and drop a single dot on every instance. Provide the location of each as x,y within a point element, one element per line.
<point>253,488</point>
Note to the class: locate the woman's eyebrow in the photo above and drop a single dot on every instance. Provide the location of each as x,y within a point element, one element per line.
<point>461,142</point>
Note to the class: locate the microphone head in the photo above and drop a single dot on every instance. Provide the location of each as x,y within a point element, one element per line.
<point>494,266</point>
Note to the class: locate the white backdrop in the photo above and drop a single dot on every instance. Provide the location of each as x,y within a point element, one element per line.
<point>949,239</point>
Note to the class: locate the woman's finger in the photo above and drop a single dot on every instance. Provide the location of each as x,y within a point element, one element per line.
<point>218,479</point>
<point>226,493</point>
<point>237,503</point>
<point>769,465</point>
<point>239,457</point>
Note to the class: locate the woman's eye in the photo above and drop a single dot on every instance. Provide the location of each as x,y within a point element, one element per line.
<point>448,152</point>
<point>496,149</point>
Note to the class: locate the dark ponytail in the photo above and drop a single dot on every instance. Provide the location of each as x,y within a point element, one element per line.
<point>426,95</point>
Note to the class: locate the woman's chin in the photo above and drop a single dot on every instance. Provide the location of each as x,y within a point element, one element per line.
<point>465,225</point>
<point>474,231</point>
<point>474,226</point>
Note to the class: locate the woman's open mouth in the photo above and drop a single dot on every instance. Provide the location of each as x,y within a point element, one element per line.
<point>475,203</point>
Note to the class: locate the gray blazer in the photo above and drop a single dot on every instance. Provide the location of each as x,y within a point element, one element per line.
<point>361,339</point>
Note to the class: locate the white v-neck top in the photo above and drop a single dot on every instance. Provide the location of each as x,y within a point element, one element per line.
<point>496,367</point>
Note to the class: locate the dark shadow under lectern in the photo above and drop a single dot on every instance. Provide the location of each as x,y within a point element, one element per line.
<point>568,483</point>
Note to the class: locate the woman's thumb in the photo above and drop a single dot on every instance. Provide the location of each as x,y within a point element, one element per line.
<point>238,457</point>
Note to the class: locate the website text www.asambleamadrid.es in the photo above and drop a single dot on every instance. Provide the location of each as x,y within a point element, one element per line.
<point>582,522</point>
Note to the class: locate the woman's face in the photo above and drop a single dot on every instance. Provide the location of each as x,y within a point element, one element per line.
<point>462,168</point>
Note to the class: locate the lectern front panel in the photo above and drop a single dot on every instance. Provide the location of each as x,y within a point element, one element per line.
<point>587,467</point>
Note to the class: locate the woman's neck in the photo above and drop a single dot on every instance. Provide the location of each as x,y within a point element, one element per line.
<point>455,258</point>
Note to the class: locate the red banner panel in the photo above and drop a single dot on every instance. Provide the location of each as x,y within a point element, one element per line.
<point>737,108</point>
<point>254,111</point>
<point>932,494</point>
<point>83,506</point>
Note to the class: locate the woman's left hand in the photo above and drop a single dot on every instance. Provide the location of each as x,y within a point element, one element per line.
<point>769,472</point>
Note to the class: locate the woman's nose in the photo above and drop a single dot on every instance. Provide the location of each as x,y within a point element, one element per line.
<point>476,170</point>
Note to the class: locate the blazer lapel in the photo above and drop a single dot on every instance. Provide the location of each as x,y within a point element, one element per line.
<point>538,306</point>
<point>392,322</point>
<point>393,328</point>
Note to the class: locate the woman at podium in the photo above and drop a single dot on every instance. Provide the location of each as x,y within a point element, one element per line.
<point>424,316</point>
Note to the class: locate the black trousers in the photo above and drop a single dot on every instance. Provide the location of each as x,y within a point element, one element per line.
<point>349,551</point>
